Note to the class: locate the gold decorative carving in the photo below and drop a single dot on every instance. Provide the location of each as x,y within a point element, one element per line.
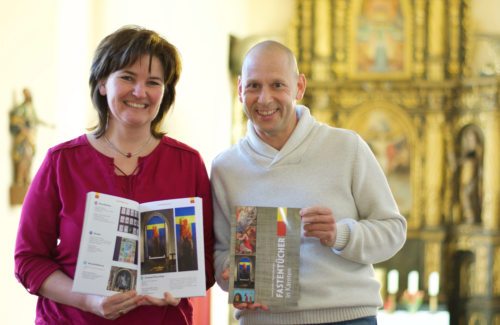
<point>436,50</point>
<point>491,190</point>
<point>420,28</point>
<point>322,40</point>
<point>480,274</point>
<point>432,259</point>
<point>339,65</point>
<point>477,319</point>
<point>496,272</point>
<point>431,101</point>
<point>434,163</point>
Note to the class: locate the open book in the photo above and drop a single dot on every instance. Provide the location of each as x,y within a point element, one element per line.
<point>152,247</point>
<point>264,255</point>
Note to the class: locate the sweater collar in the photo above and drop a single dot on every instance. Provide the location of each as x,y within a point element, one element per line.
<point>302,129</point>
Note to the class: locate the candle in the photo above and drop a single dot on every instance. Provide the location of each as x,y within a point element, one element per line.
<point>434,284</point>
<point>413,282</point>
<point>393,282</point>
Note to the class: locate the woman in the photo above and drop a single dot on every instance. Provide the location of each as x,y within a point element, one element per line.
<point>132,81</point>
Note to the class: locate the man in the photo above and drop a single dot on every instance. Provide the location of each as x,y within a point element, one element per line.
<point>350,219</point>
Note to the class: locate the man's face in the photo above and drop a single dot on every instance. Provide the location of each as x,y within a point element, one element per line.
<point>268,89</point>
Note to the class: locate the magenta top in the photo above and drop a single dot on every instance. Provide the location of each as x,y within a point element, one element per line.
<point>54,206</point>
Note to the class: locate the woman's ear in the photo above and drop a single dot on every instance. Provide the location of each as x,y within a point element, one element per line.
<point>102,88</point>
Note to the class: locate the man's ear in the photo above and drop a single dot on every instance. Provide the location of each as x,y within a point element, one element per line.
<point>301,86</point>
<point>240,90</point>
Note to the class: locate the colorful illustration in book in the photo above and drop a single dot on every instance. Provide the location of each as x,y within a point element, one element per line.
<point>156,237</point>
<point>246,220</point>
<point>243,295</point>
<point>125,250</point>
<point>121,279</point>
<point>185,226</point>
<point>245,272</point>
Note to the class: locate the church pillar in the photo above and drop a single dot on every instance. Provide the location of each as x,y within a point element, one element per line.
<point>434,149</point>
<point>339,65</point>
<point>491,171</point>
<point>435,36</point>
<point>454,35</point>
<point>322,40</point>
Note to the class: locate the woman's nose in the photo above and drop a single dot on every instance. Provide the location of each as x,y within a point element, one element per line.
<point>139,90</point>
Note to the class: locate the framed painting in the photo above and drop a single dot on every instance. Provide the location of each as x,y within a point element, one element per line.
<point>391,137</point>
<point>380,42</point>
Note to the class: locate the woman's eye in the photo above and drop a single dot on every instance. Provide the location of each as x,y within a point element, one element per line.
<point>154,83</point>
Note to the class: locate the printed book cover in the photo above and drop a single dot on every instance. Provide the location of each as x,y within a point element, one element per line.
<point>264,256</point>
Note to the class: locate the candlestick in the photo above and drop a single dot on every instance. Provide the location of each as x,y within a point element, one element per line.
<point>434,284</point>
<point>413,282</point>
<point>393,282</point>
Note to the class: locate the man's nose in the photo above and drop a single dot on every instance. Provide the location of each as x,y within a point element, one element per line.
<point>264,96</point>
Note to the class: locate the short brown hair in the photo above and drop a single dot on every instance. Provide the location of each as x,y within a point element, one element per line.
<point>123,48</point>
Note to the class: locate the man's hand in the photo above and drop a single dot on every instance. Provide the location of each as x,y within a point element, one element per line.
<point>244,305</point>
<point>320,223</point>
<point>250,306</point>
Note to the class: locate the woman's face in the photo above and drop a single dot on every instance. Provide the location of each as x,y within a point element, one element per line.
<point>134,93</point>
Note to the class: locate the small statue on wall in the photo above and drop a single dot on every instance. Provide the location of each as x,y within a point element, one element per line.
<point>470,177</point>
<point>22,125</point>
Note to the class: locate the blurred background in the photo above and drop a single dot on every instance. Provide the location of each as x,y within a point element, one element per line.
<point>418,79</point>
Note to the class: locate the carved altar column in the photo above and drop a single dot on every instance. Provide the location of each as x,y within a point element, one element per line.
<point>434,149</point>
<point>322,40</point>
<point>454,34</point>
<point>491,168</point>
<point>339,66</point>
<point>420,39</point>
<point>435,36</point>
<point>305,34</point>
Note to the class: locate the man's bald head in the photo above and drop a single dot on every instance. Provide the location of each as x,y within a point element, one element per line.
<point>269,47</point>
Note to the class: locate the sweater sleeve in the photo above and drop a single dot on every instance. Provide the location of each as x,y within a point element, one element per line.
<point>380,231</point>
<point>222,228</point>
<point>37,235</point>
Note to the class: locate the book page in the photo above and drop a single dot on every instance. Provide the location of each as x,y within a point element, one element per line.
<point>108,255</point>
<point>264,258</point>
<point>171,249</point>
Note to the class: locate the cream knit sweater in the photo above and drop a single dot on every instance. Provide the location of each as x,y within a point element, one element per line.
<point>319,165</point>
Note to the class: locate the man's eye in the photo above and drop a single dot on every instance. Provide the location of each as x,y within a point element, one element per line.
<point>278,85</point>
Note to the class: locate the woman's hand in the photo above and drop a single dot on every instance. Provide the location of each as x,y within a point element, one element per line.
<point>167,300</point>
<point>113,306</point>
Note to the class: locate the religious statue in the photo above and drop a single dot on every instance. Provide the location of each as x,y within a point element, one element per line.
<point>470,175</point>
<point>22,124</point>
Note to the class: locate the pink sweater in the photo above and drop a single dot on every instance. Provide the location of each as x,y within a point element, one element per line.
<point>54,206</point>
